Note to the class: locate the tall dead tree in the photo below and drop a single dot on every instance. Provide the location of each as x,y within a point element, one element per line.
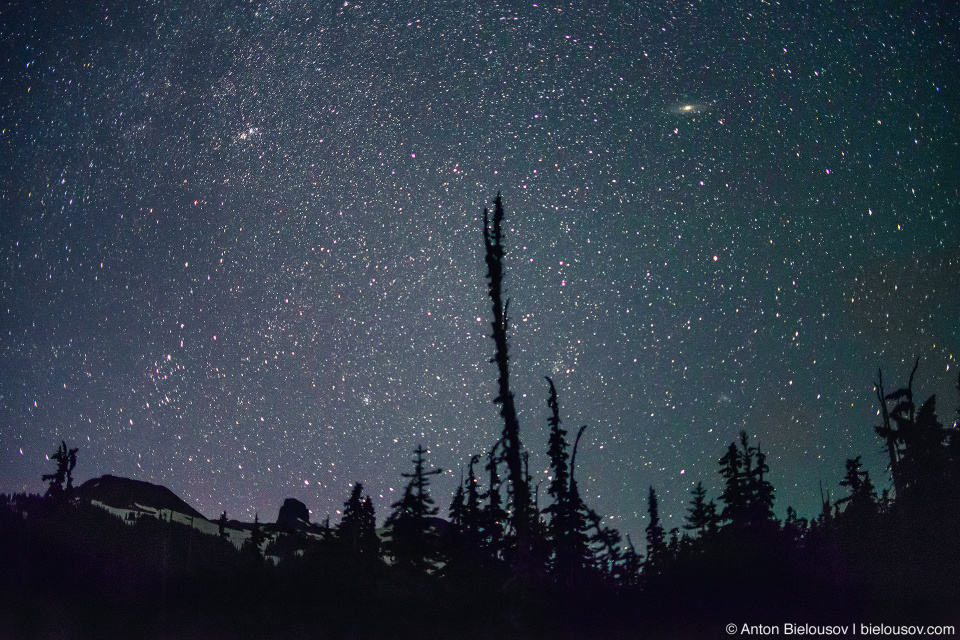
<point>512,448</point>
<point>903,415</point>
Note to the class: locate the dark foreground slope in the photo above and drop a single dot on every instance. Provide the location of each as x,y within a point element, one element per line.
<point>74,571</point>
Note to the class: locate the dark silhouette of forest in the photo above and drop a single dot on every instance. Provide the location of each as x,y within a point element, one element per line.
<point>506,558</point>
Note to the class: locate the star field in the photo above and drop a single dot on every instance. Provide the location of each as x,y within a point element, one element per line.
<point>242,249</point>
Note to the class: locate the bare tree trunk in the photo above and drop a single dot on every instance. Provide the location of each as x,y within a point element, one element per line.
<point>512,450</point>
<point>888,433</point>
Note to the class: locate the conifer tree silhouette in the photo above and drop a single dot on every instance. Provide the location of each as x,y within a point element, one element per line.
<point>761,491</point>
<point>471,507</point>
<point>557,449</point>
<point>953,441</point>
<point>456,543</point>
<point>953,451</point>
<point>656,544</point>
<point>411,539</point>
<point>734,495</point>
<point>457,508</point>
<point>567,543</point>
<point>673,545</point>
<point>922,453</point>
<point>824,521</point>
<point>357,530</point>
<point>472,510</point>
<point>862,501</point>
<point>467,523</point>
<point>369,540</point>
<point>747,495</point>
<point>702,515</point>
<point>924,512</point>
<point>632,563</point>
<point>577,514</point>
<point>253,547</point>
<point>956,422</point>
<point>794,526</point>
<point>608,557</point>
<point>902,415</point>
<point>61,480</point>
<point>493,514</point>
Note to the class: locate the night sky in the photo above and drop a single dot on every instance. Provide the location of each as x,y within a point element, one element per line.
<point>242,249</point>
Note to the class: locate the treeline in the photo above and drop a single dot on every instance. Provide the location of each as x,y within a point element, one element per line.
<point>894,555</point>
<point>72,570</point>
<point>509,558</point>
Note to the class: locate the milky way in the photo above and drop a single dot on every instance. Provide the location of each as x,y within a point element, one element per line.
<point>242,249</point>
